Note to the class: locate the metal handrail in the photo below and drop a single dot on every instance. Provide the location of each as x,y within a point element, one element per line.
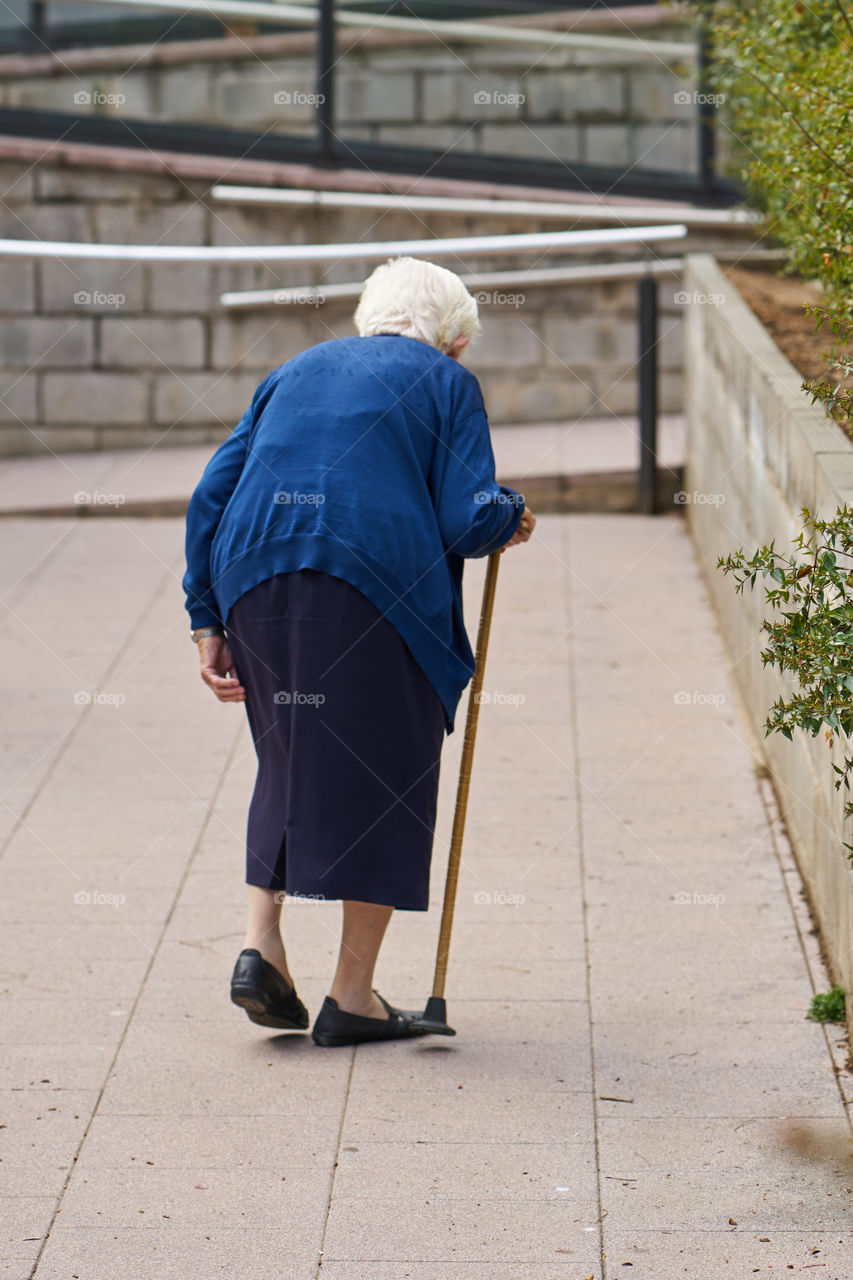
<point>311,294</point>
<point>625,214</point>
<point>432,248</point>
<point>290,14</point>
<point>592,273</point>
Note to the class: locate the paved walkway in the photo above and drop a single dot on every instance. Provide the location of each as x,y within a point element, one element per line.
<point>634,1089</point>
<point>138,480</point>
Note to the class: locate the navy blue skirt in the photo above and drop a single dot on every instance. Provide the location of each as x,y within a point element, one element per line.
<point>348,733</point>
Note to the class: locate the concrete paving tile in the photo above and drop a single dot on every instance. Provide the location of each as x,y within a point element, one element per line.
<point>477,1230</point>
<point>54,1021</point>
<point>60,1066</point>
<point>449,1114</point>
<point>495,946</point>
<point>647,873</point>
<point>136,1091</point>
<point>159,1072</point>
<point>201,1142</point>
<point>47,1117</point>
<point>194,957</point>
<point>147,872</point>
<point>498,827</point>
<point>569,1264</point>
<point>191,1253</point>
<point>238,1042</point>
<point>239,1196</point>
<point>40,1134</point>
<point>703,1071</point>
<point>697,1174</point>
<point>189,999</point>
<point>481,978</point>
<point>658,967</point>
<point>713,1000</point>
<point>42,1169</point>
<point>546,843</point>
<point>702,919</point>
<point>717,1255</point>
<point>20,1266</point>
<point>443,1062</point>
<point>104,963</point>
<point>504,1024</point>
<point>516,1171</point>
<point>25,1219</point>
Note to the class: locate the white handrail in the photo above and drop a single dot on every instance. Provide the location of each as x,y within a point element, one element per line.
<point>312,294</point>
<point>289,14</point>
<point>337,252</point>
<point>637,213</point>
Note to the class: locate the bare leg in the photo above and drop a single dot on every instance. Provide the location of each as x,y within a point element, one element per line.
<point>363,930</point>
<point>263,929</point>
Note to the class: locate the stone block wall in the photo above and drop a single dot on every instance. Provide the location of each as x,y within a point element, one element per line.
<point>576,106</point>
<point>757,453</point>
<point>97,354</point>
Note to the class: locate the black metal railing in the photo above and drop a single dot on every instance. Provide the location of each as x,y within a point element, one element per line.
<point>705,185</point>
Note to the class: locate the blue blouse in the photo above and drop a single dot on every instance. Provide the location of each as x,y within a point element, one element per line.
<point>369,459</point>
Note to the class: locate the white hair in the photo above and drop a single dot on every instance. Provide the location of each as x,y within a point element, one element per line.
<point>419,300</point>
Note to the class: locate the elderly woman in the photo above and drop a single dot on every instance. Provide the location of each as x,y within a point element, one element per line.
<point>328,534</point>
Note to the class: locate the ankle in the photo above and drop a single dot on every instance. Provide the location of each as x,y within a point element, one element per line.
<point>272,954</point>
<point>357,1000</point>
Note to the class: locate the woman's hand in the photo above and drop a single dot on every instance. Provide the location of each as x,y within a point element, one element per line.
<point>217,669</point>
<point>526,525</point>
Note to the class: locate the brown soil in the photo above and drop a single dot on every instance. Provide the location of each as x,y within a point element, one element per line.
<point>778,301</point>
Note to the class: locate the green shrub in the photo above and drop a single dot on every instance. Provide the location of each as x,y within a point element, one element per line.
<point>828,1006</point>
<point>785,71</point>
<point>811,632</point>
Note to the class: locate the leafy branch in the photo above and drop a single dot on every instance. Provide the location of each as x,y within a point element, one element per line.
<point>810,632</point>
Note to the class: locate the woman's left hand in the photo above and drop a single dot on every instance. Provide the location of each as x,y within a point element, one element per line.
<point>217,669</point>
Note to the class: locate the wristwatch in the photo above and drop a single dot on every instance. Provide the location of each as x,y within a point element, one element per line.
<point>206,631</point>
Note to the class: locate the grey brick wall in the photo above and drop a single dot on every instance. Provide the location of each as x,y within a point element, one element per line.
<point>94,355</point>
<point>564,104</point>
<point>758,453</point>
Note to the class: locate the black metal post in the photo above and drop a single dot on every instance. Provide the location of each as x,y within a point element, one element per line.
<point>36,23</point>
<point>326,141</point>
<point>647,404</point>
<point>705,122</point>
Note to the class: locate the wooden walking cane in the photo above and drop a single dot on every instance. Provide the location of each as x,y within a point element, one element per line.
<point>434,1017</point>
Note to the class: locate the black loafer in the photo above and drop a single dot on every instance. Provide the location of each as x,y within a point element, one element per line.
<point>334,1026</point>
<point>258,987</point>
